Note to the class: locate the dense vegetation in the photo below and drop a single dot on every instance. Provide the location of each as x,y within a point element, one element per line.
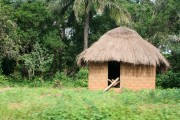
<point>39,42</point>
<point>81,104</point>
<point>40,39</point>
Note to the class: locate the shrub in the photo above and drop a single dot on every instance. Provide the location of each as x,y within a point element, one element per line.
<point>82,77</point>
<point>79,80</point>
<point>3,80</point>
<point>168,80</point>
<point>63,79</point>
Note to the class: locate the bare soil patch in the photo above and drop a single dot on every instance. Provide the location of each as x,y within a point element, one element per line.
<point>5,89</point>
<point>15,105</point>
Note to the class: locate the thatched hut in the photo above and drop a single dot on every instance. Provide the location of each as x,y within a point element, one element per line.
<point>122,53</point>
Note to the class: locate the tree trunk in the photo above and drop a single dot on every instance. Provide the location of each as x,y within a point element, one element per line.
<point>63,32</point>
<point>86,26</point>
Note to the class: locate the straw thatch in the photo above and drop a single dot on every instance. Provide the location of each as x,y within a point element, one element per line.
<point>123,45</point>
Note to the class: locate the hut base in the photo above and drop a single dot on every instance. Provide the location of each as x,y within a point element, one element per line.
<point>133,77</point>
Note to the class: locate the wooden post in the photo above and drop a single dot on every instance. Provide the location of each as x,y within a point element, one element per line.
<point>110,81</point>
<point>115,82</point>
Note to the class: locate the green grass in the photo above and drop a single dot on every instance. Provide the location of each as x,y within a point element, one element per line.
<point>19,103</point>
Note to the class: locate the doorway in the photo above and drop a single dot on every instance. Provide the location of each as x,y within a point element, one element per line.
<point>113,72</point>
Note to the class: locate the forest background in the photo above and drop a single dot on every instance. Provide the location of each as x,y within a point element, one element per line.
<point>40,39</point>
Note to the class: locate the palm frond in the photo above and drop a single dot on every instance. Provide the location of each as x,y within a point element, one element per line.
<point>118,13</point>
<point>59,6</point>
<point>79,8</point>
<point>99,6</point>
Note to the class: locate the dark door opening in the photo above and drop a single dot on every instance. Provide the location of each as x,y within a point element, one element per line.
<point>113,71</point>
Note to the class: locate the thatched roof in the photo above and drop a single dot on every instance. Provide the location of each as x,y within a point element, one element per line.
<point>123,45</point>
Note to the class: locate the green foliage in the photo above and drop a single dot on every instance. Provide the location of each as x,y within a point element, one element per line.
<point>81,77</point>
<point>32,15</point>
<point>172,77</point>
<point>79,80</point>
<point>37,31</point>
<point>52,40</point>
<point>63,79</point>
<point>101,24</point>
<point>9,49</point>
<point>3,80</point>
<point>8,32</point>
<point>37,61</point>
<point>151,18</point>
<point>117,11</point>
<point>55,104</point>
<point>168,80</point>
<point>7,24</point>
<point>59,80</point>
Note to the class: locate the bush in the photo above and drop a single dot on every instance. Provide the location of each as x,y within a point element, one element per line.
<point>168,80</point>
<point>82,77</point>
<point>62,79</point>
<point>3,80</point>
<point>79,80</point>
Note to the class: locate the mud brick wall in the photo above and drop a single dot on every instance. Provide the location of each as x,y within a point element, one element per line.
<point>98,76</point>
<point>137,77</point>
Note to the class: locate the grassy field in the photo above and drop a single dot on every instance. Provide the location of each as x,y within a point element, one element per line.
<point>79,104</point>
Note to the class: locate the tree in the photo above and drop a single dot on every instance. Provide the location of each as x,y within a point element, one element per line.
<point>158,21</point>
<point>55,43</point>
<point>8,33</point>
<point>23,25</point>
<point>9,49</point>
<point>86,7</point>
<point>39,61</point>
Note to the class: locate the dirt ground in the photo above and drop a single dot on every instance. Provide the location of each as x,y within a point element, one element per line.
<point>5,89</point>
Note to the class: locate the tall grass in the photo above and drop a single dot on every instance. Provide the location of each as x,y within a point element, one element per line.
<point>80,104</point>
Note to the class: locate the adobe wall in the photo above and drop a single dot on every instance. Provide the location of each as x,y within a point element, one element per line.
<point>98,76</point>
<point>137,77</point>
